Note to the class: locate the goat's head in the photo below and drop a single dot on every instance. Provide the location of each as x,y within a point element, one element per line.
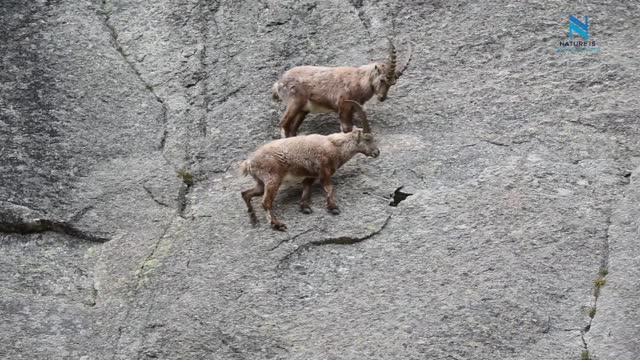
<point>365,144</point>
<point>386,74</point>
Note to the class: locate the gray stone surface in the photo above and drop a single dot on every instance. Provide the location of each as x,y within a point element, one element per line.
<point>615,331</point>
<point>522,165</point>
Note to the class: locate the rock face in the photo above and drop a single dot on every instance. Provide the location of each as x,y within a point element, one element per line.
<point>123,234</point>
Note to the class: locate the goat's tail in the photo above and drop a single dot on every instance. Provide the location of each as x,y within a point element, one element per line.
<point>245,167</point>
<point>276,90</point>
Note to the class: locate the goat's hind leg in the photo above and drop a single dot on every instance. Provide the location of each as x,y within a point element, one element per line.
<point>248,194</point>
<point>290,116</point>
<point>272,186</point>
<point>345,113</point>
<point>306,196</point>
<point>297,121</point>
<point>330,189</point>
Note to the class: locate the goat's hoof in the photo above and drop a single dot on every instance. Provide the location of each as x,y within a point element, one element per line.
<point>334,211</point>
<point>279,226</point>
<point>306,210</point>
<point>253,219</point>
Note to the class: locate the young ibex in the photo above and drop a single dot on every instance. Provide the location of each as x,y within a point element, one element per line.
<point>316,89</point>
<point>308,157</point>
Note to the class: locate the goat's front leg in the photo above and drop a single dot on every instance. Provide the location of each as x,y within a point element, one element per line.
<point>346,116</point>
<point>306,196</point>
<point>297,121</point>
<point>328,187</point>
<point>267,203</point>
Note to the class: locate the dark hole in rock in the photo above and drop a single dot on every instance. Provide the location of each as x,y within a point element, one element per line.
<point>398,196</point>
<point>627,174</point>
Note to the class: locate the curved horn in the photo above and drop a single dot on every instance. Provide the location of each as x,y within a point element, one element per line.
<point>363,116</point>
<point>406,63</point>
<point>391,70</point>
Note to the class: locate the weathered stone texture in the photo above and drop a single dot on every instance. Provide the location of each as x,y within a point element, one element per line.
<point>521,164</point>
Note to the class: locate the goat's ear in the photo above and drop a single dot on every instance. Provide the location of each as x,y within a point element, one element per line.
<point>378,71</point>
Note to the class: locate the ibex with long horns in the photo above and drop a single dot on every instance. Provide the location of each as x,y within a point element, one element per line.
<point>316,89</point>
<point>308,157</point>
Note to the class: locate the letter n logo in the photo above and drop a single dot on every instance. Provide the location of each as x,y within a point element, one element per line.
<point>581,28</point>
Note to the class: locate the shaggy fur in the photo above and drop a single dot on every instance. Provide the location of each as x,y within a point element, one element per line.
<point>310,157</point>
<point>317,89</point>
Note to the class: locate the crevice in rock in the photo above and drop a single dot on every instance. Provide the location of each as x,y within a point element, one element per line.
<point>81,213</point>
<point>134,288</point>
<point>148,191</point>
<point>143,266</point>
<point>182,198</point>
<point>586,125</point>
<point>224,98</point>
<point>385,198</point>
<point>93,299</point>
<point>202,122</point>
<point>202,125</point>
<point>278,22</point>
<point>419,176</point>
<point>119,337</point>
<point>118,47</point>
<point>289,239</point>
<point>35,226</point>
<point>398,196</point>
<point>187,182</point>
<point>25,206</point>
<point>208,11</point>
<point>497,143</point>
<point>366,22</point>
<point>165,131</point>
<point>598,283</point>
<point>605,257</point>
<point>490,42</point>
<point>224,169</point>
<point>340,240</point>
